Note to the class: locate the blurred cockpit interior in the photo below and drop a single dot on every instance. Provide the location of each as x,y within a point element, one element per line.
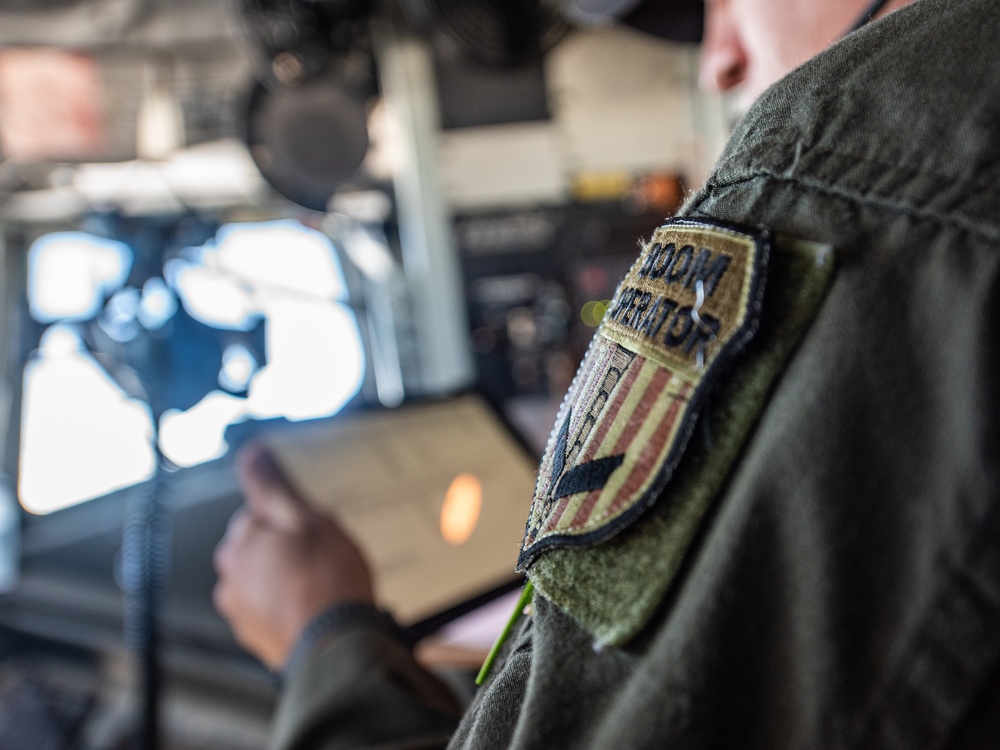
<point>222,220</point>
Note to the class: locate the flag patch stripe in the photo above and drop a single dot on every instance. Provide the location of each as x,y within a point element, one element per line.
<point>687,306</point>
<point>590,509</point>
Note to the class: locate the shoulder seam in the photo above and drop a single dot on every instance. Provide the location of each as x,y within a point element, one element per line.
<point>955,221</point>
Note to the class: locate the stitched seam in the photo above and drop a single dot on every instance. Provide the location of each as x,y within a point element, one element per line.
<point>981,184</point>
<point>965,225</point>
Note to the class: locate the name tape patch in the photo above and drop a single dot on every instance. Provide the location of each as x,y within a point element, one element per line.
<point>687,306</point>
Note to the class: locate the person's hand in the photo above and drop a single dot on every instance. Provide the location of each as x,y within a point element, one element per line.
<point>281,563</point>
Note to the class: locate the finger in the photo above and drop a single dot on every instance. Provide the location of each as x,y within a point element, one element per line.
<point>236,532</point>
<point>223,560</point>
<point>269,495</point>
<point>222,599</point>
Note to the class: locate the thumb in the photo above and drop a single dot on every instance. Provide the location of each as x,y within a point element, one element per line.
<point>270,496</point>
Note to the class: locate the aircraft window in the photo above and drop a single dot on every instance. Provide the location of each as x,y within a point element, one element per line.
<point>238,366</point>
<point>70,272</point>
<point>82,435</point>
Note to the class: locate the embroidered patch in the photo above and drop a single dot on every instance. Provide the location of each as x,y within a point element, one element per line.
<point>686,307</point>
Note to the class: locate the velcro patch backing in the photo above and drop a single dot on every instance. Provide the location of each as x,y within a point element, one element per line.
<point>687,306</point>
<point>614,589</point>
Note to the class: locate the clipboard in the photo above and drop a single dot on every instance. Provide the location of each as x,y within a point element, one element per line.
<point>385,475</point>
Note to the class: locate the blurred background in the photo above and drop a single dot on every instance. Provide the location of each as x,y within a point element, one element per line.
<point>222,218</point>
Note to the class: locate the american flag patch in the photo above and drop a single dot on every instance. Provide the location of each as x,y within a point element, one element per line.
<point>687,306</point>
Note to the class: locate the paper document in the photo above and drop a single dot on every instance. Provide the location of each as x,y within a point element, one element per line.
<point>436,494</point>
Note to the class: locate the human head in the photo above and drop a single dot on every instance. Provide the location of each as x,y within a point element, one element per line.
<point>750,44</point>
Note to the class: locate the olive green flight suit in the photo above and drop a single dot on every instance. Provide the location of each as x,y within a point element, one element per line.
<point>839,587</point>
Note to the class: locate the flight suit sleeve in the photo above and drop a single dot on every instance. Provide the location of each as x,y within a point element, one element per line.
<point>360,687</point>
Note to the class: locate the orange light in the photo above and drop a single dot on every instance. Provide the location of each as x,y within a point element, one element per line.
<point>461,507</point>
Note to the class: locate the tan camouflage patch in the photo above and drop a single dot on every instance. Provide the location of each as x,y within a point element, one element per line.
<point>688,304</point>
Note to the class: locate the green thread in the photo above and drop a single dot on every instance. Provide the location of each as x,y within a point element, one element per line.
<point>491,657</point>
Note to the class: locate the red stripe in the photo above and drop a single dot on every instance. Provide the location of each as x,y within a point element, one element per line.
<point>640,470</point>
<point>623,385</point>
<point>656,385</point>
